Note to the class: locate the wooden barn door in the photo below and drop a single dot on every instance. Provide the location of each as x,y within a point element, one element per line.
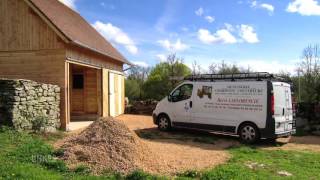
<point>116,94</point>
<point>112,96</point>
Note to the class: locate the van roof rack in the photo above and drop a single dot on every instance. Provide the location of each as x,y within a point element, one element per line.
<point>259,76</point>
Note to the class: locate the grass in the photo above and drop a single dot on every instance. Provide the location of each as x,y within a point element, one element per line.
<point>28,156</point>
<point>265,164</point>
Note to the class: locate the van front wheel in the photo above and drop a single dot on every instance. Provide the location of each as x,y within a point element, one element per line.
<point>249,133</point>
<point>164,123</point>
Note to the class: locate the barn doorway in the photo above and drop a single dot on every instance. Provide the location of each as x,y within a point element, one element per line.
<point>84,93</point>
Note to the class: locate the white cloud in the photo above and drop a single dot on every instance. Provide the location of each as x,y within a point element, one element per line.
<point>254,4</point>
<point>116,35</point>
<point>229,27</point>
<point>304,7</point>
<point>220,36</point>
<point>245,33</point>
<point>265,6</point>
<point>161,57</point>
<point>140,63</point>
<point>69,3</point>
<point>199,12</point>
<point>248,34</point>
<point>171,46</point>
<point>210,19</point>
<point>268,7</point>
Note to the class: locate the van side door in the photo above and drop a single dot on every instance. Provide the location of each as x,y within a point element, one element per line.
<point>180,100</point>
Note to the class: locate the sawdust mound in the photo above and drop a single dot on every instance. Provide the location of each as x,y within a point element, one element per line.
<point>107,144</point>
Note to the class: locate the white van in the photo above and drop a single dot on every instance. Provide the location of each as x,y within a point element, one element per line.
<point>251,105</point>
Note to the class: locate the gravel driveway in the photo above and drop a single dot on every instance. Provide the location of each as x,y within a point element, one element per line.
<point>185,149</point>
<point>180,150</point>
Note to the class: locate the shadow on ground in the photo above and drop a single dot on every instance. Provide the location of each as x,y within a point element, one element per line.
<point>182,136</point>
<point>200,139</point>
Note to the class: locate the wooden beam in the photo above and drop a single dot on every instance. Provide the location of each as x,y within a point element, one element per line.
<point>81,63</point>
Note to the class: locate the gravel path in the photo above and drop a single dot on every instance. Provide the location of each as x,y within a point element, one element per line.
<point>180,151</point>
<point>133,141</point>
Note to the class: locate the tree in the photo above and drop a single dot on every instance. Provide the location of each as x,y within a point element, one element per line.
<point>224,68</point>
<point>133,89</point>
<point>309,67</point>
<point>136,77</point>
<point>196,68</point>
<point>164,77</point>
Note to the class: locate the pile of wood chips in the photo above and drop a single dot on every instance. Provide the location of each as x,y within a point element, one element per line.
<point>107,144</point>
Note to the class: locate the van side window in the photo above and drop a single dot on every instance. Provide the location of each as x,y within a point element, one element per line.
<point>182,93</point>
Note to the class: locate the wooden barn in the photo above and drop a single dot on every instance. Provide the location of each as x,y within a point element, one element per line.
<point>45,41</point>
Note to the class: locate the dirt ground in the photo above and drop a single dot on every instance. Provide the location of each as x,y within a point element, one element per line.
<point>310,143</point>
<point>180,150</point>
<point>303,143</point>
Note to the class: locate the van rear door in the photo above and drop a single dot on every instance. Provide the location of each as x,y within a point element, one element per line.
<point>283,113</point>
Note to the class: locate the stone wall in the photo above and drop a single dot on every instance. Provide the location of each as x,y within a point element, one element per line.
<point>28,105</point>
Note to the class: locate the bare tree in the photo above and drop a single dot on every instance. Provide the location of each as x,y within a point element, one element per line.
<point>175,71</point>
<point>196,68</point>
<point>139,72</point>
<point>213,68</point>
<point>310,71</point>
<point>225,68</point>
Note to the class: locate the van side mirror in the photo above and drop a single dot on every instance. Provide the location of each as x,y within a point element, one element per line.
<point>169,98</point>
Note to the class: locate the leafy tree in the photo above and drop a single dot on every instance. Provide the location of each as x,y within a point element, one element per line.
<point>133,89</point>
<point>164,77</point>
<point>136,77</point>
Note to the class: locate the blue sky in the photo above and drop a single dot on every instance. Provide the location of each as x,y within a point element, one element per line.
<point>267,35</point>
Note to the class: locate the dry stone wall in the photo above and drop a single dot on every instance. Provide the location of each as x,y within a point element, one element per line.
<point>28,105</point>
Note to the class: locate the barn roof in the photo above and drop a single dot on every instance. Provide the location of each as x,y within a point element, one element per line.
<point>75,28</point>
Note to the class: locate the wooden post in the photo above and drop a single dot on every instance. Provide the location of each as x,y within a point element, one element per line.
<point>65,108</point>
<point>105,93</point>
<point>99,91</point>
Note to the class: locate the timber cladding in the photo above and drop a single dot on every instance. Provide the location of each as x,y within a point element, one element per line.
<point>21,29</point>
<point>33,48</point>
<point>93,59</point>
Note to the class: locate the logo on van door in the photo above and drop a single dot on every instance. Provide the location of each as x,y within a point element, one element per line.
<point>205,91</point>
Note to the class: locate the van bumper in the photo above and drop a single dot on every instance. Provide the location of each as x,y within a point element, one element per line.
<point>286,134</point>
<point>265,134</point>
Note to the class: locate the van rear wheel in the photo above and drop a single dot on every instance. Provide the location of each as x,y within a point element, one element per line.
<point>164,123</point>
<point>249,133</point>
